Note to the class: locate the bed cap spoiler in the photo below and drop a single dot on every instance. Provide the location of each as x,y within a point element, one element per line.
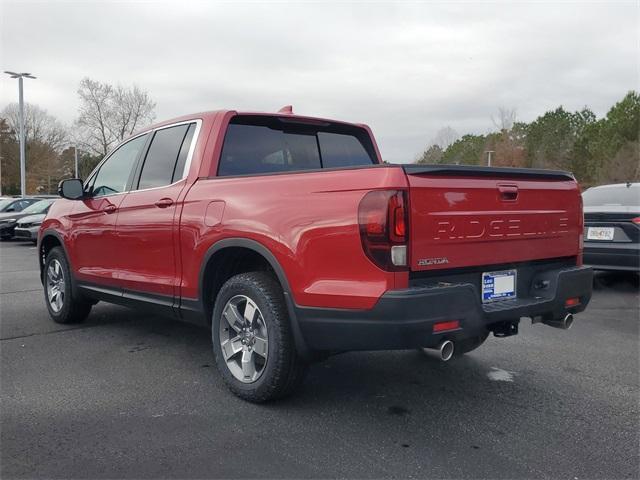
<point>478,171</point>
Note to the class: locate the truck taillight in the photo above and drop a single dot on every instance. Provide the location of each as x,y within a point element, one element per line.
<point>382,216</point>
<point>636,220</point>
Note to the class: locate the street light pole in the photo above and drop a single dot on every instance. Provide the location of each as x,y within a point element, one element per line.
<point>23,168</point>
<point>75,155</point>
<point>489,152</point>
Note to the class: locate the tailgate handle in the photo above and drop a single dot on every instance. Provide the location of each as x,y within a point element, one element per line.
<point>508,193</point>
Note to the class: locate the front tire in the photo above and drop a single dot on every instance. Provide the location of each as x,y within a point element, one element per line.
<point>252,340</point>
<point>62,304</point>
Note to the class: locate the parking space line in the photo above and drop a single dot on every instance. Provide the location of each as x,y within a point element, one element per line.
<point>21,291</point>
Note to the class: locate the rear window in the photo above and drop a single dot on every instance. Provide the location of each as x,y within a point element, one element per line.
<point>260,145</point>
<point>628,196</point>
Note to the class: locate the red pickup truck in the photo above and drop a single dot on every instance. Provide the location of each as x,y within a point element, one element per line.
<point>291,238</point>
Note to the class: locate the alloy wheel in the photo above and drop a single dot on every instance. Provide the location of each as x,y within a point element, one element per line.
<point>56,287</point>
<point>243,339</point>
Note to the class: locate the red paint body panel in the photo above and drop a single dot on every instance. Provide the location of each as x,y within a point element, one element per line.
<point>92,236</point>
<point>145,240</point>
<point>309,222</point>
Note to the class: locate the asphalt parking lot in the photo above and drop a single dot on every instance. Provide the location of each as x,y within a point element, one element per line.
<point>130,395</point>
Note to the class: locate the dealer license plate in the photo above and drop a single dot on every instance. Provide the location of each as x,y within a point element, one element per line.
<point>498,285</point>
<point>600,233</point>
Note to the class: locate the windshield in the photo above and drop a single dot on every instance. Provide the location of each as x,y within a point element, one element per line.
<point>628,196</point>
<point>39,207</point>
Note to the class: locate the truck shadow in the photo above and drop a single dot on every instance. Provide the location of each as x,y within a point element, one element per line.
<point>619,281</point>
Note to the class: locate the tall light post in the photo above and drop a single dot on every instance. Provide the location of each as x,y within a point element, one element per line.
<point>489,152</point>
<point>75,159</point>
<point>23,169</point>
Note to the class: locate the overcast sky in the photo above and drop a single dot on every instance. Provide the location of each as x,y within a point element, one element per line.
<point>406,69</point>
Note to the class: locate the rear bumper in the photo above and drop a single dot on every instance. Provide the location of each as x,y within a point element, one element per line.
<point>612,256</point>
<point>404,319</point>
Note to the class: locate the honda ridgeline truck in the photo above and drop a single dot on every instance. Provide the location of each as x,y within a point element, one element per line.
<point>291,238</point>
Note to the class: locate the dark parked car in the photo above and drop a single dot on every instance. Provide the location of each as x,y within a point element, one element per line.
<point>27,227</point>
<point>8,205</point>
<point>9,219</point>
<point>612,227</point>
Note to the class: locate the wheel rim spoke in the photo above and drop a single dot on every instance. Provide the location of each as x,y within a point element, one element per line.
<point>250,312</point>
<point>260,346</point>
<point>233,317</point>
<point>51,274</point>
<point>248,365</point>
<point>231,347</point>
<point>59,300</point>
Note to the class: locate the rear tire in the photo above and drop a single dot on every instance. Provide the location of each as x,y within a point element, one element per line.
<point>252,339</point>
<point>62,304</point>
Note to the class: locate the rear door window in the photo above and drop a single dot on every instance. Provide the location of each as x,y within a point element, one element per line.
<point>161,162</point>
<point>254,146</point>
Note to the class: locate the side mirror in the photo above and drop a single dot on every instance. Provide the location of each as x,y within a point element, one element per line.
<point>71,189</point>
<point>10,209</point>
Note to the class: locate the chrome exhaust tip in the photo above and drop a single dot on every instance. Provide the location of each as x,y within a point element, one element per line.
<point>445,350</point>
<point>562,323</point>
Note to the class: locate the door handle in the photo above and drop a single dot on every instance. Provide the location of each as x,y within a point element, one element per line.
<point>508,193</point>
<point>110,208</point>
<point>164,203</point>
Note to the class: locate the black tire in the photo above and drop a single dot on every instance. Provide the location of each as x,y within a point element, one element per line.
<point>72,309</point>
<point>469,344</point>
<point>283,370</point>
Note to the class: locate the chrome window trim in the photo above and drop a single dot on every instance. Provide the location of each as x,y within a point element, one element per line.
<point>187,163</point>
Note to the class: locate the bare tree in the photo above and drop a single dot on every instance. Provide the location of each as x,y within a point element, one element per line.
<point>46,137</point>
<point>108,114</point>
<point>40,126</point>
<point>131,109</point>
<point>94,113</point>
<point>505,119</point>
<point>445,137</point>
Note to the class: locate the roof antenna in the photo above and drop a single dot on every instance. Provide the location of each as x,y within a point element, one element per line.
<point>287,109</point>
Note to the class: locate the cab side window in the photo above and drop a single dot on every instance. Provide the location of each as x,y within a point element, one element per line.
<point>115,171</point>
<point>166,157</point>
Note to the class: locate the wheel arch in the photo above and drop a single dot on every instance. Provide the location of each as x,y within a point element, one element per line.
<point>49,240</point>
<point>260,253</point>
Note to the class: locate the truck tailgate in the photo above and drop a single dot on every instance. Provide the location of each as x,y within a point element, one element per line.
<point>469,216</point>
